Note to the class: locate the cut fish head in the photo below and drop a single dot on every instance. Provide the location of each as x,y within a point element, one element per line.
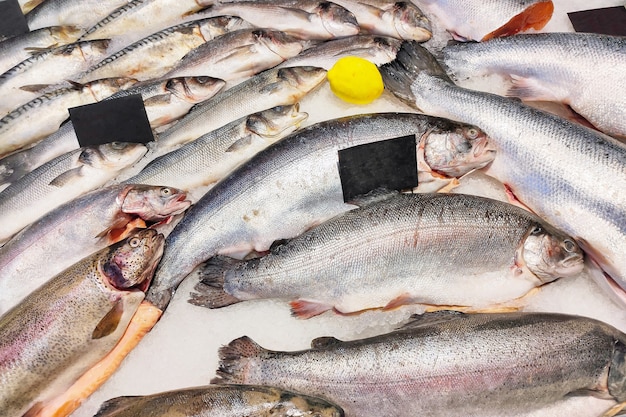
<point>154,203</point>
<point>131,262</point>
<point>281,44</point>
<point>276,120</point>
<point>617,372</point>
<point>409,21</point>
<point>301,79</point>
<point>194,89</point>
<point>337,20</point>
<point>550,254</point>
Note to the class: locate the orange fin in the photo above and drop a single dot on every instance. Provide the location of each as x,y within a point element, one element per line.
<point>303,309</point>
<point>534,17</point>
<point>62,406</point>
<point>399,301</point>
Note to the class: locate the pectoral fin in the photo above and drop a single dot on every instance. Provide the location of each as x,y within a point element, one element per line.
<point>67,177</point>
<point>109,322</point>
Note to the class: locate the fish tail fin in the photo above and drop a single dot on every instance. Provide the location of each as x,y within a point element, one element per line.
<point>411,60</point>
<point>235,360</point>
<point>114,406</point>
<point>210,288</point>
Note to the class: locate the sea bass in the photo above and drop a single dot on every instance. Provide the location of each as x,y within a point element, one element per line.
<point>482,20</point>
<point>61,180</point>
<point>569,175</point>
<point>220,400</point>
<point>435,250</point>
<point>71,322</point>
<point>555,74</point>
<point>447,364</point>
<point>291,186</point>
<point>77,229</point>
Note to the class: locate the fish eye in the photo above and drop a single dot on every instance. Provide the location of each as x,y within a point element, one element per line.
<point>569,246</point>
<point>471,132</point>
<point>166,191</point>
<point>203,80</point>
<point>118,145</point>
<point>537,230</point>
<point>134,242</point>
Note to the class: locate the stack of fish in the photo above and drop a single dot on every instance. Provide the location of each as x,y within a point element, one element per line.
<point>240,194</point>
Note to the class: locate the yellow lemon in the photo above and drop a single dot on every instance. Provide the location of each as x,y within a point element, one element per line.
<point>355,80</point>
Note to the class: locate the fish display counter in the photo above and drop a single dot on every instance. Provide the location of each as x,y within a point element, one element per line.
<point>221,321</point>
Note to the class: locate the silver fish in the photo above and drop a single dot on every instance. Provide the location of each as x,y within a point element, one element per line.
<point>82,14</point>
<point>49,67</point>
<point>367,258</point>
<point>77,229</point>
<point>555,74</point>
<point>447,364</point>
<point>482,20</point>
<point>61,180</point>
<point>306,19</point>
<point>220,400</point>
<point>238,55</point>
<point>154,55</point>
<point>65,327</point>
<point>570,175</point>
<point>287,188</point>
<point>206,160</point>
<point>43,115</point>
<point>271,88</point>
<point>18,48</point>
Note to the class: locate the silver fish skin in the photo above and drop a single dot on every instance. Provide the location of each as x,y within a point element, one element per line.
<point>480,20</point>
<point>139,18</point>
<point>18,48</point>
<point>156,54</point>
<point>482,365</point>
<point>50,67</point>
<point>238,55</point>
<point>206,160</point>
<point>378,50</point>
<point>82,14</point>
<point>308,19</point>
<point>220,401</point>
<point>42,116</point>
<point>398,19</point>
<point>436,250</point>
<point>271,88</point>
<point>555,74</point>
<point>60,180</point>
<point>28,5</point>
<point>286,189</point>
<point>77,229</point>
<point>65,327</point>
<point>569,175</point>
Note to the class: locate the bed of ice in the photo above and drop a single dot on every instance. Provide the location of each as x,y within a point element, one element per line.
<point>181,351</point>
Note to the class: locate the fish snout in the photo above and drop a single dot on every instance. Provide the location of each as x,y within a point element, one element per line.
<point>551,255</point>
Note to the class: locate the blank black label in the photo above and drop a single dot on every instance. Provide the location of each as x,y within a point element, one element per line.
<point>12,20</point>
<point>122,119</point>
<point>607,21</point>
<point>390,164</point>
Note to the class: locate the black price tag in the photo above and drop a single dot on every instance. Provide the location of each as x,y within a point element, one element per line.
<point>122,119</point>
<point>607,21</point>
<point>390,164</point>
<point>12,20</point>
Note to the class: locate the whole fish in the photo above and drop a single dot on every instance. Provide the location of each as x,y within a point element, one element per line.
<point>398,19</point>
<point>237,55</point>
<point>61,180</point>
<point>77,229</point>
<point>376,49</point>
<point>24,81</point>
<point>569,175</point>
<point>82,14</point>
<point>66,326</point>
<point>291,186</point>
<point>18,48</point>
<point>306,19</point>
<point>206,160</point>
<point>43,115</point>
<point>271,88</point>
<point>555,74</point>
<point>483,20</point>
<point>367,258</point>
<point>447,364</point>
<point>220,400</point>
<point>156,54</point>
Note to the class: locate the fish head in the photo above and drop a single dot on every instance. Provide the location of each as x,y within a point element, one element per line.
<point>131,262</point>
<point>454,149</point>
<point>617,372</point>
<point>277,120</point>
<point>338,21</point>
<point>194,89</point>
<point>281,44</point>
<point>385,49</point>
<point>220,25</point>
<point>154,203</point>
<point>550,254</point>
<point>114,155</point>
<point>408,21</point>
<point>301,80</point>
<point>291,404</point>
